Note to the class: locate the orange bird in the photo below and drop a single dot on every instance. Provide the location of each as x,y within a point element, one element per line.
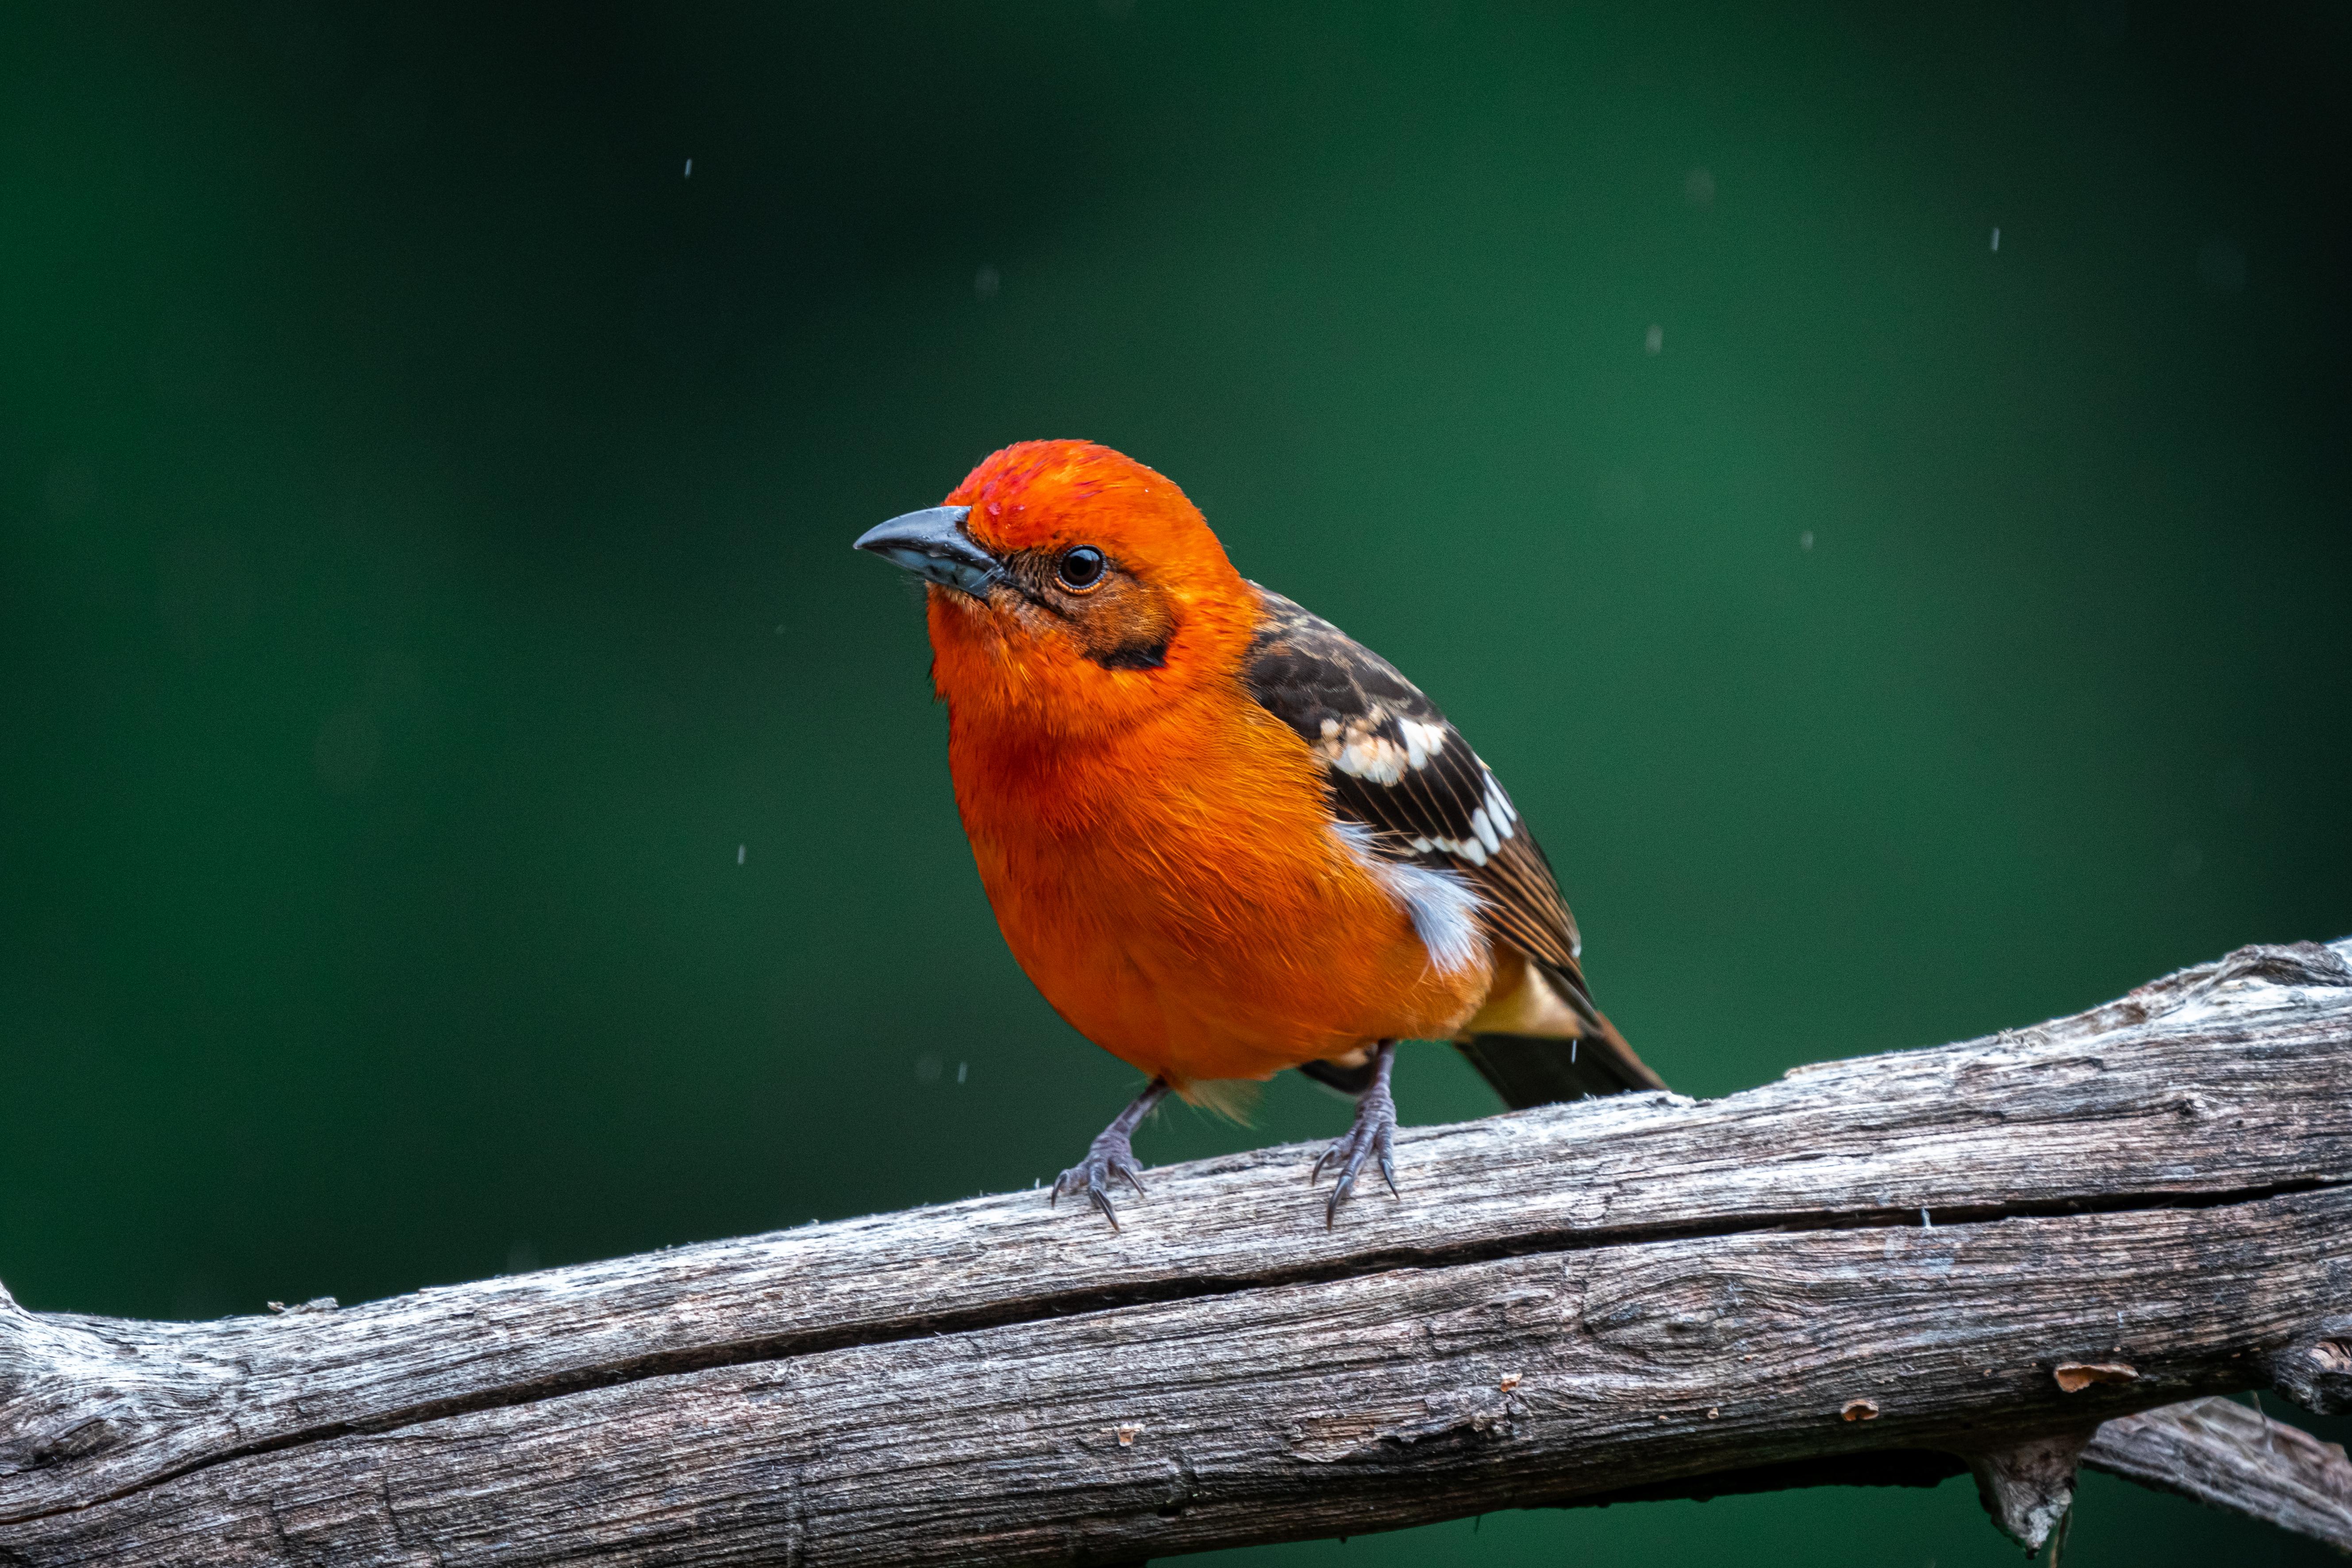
<point>1222,838</point>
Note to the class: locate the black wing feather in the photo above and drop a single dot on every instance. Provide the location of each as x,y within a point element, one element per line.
<point>1345,700</point>
<point>1422,803</point>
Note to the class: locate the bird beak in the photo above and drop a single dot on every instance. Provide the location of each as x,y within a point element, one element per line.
<point>932,544</point>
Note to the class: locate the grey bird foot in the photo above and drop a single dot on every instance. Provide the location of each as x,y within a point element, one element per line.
<point>1372,1138</point>
<point>1110,1157</point>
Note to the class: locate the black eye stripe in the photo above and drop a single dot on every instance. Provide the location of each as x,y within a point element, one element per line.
<point>1080,567</point>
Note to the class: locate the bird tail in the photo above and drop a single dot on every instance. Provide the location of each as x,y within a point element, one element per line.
<point>1545,1042</point>
<point>1543,1069</point>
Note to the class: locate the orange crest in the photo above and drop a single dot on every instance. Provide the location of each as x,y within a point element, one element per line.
<point>1042,657</point>
<point>1038,494</point>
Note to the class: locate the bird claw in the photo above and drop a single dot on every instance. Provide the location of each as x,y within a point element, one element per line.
<point>1373,1138</point>
<point>1109,1159</point>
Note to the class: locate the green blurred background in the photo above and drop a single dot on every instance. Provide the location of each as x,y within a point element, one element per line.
<point>469,809</point>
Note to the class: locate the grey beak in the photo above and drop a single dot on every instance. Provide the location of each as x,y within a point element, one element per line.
<point>932,544</point>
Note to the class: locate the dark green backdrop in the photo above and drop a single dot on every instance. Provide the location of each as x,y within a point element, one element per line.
<point>466,807</point>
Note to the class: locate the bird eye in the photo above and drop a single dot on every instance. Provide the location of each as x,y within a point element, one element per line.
<point>1080,569</point>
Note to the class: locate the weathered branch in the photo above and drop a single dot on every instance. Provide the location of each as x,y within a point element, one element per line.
<point>2231,1457</point>
<point>1850,1274</point>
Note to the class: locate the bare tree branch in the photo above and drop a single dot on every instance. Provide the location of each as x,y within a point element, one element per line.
<point>1850,1274</point>
<point>2221,1453</point>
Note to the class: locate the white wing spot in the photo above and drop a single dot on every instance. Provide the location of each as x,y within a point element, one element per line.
<point>1485,829</point>
<point>1421,740</point>
<point>1357,751</point>
<point>1499,807</point>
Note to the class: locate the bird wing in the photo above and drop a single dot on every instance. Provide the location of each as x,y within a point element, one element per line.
<point>1395,764</point>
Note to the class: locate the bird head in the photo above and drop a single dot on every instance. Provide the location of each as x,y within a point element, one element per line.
<point>1072,590</point>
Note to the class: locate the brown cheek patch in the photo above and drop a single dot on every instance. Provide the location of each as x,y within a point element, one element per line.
<point>1124,628</point>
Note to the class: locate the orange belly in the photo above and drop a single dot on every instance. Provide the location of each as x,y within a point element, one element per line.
<point>1190,910</point>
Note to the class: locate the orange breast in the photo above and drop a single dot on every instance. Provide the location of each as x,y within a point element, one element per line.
<point>1177,894</point>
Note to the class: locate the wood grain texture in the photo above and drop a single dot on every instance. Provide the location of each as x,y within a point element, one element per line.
<point>2222,1454</point>
<point>1615,1298</point>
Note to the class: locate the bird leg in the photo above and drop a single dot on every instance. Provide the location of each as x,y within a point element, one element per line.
<point>1111,1154</point>
<point>1373,1137</point>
